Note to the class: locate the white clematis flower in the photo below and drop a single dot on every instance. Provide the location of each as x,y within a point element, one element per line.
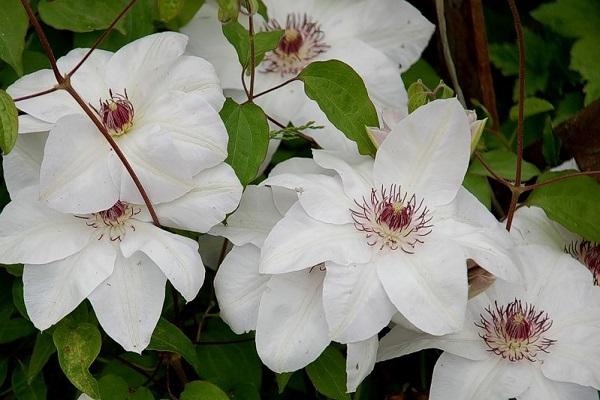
<point>531,225</point>
<point>539,339</point>
<point>159,105</point>
<point>395,233</point>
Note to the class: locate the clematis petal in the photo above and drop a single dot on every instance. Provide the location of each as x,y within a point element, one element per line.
<point>239,287</point>
<point>253,220</point>
<point>543,388</point>
<point>321,196</point>
<point>481,236</point>
<point>356,305</point>
<point>194,126</point>
<point>88,81</point>
<point>176,256</point>
<point>31,233</point>
<point>22,165</point>
<point>532,226</point>
<point>291,331</point>
<point>402,38</point>
<point>141,65</point>
<point>428,287</point>
<point>298,242</point>
<point>493,379</point>
<point>356,175</point>
<point>29,124</point>
<point>427,152</point>
<point>53,290</point>
<point>157,163</point>
<point>360,361</point>
<point>128,304</point>
<point>75,175</point>
<point>216,193</point>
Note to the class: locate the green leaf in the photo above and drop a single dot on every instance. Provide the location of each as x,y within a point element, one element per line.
<point>342,96</point>
<point>248,131</point>
<point>550,144</point>
<point>572,203</point>
<point>9,123</point>
<point>168,337</point>
<point>202,390</point>
<point>532,106</point>
<point>228,10</point>
<point>13,28</point>
<point>244,392</point>
<point>282,380</point>
<point>585,58</point>
<point>265,42</point>
<point>18,300</point>
<point>42,351</point>
<point>328,374</point>
<point>14,329</point>
<point>418,95</point>
<point>113,387</point>
<point>480,187</point>
<point>25,389</point>
<point>231,364</point>
<point>78,346</point>
<point>239,38</point>
<point>504,163</point>
<point>169,9</point>
<point>262,10</point>
<point>3,370</point>
<point>189,9</point>
<point>423,71</point>
<point>81,15</point>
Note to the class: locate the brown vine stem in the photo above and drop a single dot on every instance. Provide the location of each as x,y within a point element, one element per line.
<point>558,179</point>
<point>491,171</point>
<point>521,105</point>
<point>103,36</point>
<point>38,94</point>
<point>276,87</point>
<point>252,53</point>
<point>64,83</point>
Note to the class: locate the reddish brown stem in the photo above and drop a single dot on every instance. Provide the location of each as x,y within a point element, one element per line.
<point>117,150</point>
<point>558,179</point>
<point>31,96</point>
<point>276,87</point>
<point>103,36</point>
<point>521,107</point>
<point>252,55</point>
<point>43,40</point>
<point>491,171</point>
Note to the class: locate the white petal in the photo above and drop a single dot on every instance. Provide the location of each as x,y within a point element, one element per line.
<point>31,233</point>
<point>291,331</point>
<point>403,37</point>
<point>157,163</point>
<point>176,256</point>
<point>457,378</point>
<point>216,193</point>
<point>428,287</point>
<point>321,196</point>
<point>356,175</point>
<point>481,236</point>
<point>253,220</point>
<point>141,65</point>
<point>298,165</point>
<point>53,290</point>
<point>194,126</point>
<point>75,165</point>
<point>22,165</point>
<point>239,287</point>
<point>360,361</point>
<point>546,389</point>
<point>356,305</point>
<point>128,304</point>
<point>29,124</point>
<point>427,152</point>
<point>88,81</point>
<point>194,75</point>
<point>532,226</point>
<point>298,242</point>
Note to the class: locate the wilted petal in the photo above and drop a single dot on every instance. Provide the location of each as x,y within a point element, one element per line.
<point>53,290</point>
<point>239,287</point>
<point>291,331</point>
<point>128,304</point>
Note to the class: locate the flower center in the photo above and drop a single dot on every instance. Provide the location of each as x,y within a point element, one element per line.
<point>515,331</point>
<point>113,223</point>
<point>117,113</point>
<point>302,41</point>
<point>390,218</point>
<point>588,253</point>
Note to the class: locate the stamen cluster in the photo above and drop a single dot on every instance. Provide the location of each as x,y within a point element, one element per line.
<point>113,223</point>
<point>117,113</point>
<point>515,331</point>
<point>390,218</point>
<point>302,41</point>
<point>588,253</point>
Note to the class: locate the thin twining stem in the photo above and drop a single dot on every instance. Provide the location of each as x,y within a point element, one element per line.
<point>558,179</point>
<point>252,54</point>
<point>38,94</point>
<point>276,87</point>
